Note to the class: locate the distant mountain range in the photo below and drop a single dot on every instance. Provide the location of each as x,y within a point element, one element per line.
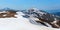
<point>55,12</point>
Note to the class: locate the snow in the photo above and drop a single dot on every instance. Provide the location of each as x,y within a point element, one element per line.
<point>20,23</point>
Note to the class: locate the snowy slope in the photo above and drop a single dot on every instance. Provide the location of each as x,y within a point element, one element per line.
<point>20,23</point>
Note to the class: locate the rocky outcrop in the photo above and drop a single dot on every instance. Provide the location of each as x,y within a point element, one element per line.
<point>7,14</point>
<point>43,17</point>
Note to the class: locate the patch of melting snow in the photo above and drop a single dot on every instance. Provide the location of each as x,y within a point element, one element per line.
<point>20,23</point>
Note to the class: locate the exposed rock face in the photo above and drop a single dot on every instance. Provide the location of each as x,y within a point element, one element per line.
<point>43,17</point>
<point>7,14</point>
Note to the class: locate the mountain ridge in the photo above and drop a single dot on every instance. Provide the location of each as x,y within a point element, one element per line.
<point>42,16</point>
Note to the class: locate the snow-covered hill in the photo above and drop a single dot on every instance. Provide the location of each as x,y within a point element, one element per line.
<point>20,23</point>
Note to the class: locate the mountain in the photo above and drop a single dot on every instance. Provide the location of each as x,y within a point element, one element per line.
<point>39,15</point>
<point>53,11</point>
<point>8,9</point>
<point>56,13</point>
<point>22,23</point>
<point>42,14</point>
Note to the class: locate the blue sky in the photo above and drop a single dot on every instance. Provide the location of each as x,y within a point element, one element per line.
<point>25,4</point>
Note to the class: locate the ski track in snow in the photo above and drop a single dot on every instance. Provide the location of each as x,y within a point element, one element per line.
<point>20,23</point>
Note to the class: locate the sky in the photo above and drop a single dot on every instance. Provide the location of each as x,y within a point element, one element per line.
<point>26,4</point>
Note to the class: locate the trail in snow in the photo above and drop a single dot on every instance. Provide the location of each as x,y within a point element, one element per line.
<point>20,23</point>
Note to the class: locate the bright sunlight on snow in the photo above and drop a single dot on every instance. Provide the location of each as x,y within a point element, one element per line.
<point>20,23</point>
